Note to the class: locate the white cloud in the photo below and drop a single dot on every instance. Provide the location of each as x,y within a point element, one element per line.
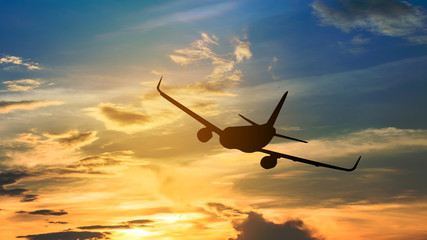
<point>21,85</point>
<point>224,75</point>
<point>381,17</point>
<point>19,61</point>
<point>418,40</point>
<point>185,16</point>
<point>365,142</point>
<point>273,61</point>
<point>359,40</point>
<point>242,49</point>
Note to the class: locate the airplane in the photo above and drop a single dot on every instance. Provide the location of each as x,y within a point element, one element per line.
<point>251,138</point>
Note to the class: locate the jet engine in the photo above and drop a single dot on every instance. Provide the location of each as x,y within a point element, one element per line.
<point>268,162</point>
<point>204,135</point>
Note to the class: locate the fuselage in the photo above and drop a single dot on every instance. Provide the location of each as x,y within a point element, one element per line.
<point>247,138</point>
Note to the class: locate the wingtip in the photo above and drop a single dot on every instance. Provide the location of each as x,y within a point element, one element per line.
<point>285,95</point>
<point>158,85</point>
<point>357,163</point>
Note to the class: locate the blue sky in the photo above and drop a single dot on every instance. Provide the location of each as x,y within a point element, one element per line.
<point>89,145</point>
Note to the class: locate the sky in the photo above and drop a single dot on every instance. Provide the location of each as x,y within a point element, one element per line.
<point>90,150</point>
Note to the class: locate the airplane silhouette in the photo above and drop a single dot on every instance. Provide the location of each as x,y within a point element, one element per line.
<point>252,138</point>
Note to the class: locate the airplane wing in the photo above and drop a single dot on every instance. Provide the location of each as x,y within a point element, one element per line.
<point>317,164</point>
<point>203,121</point>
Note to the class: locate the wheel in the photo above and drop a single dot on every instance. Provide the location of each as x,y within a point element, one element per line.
<point>204,135</point>
<point>268,162</point>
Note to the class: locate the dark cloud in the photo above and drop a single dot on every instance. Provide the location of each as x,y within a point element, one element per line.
<point>71,171</point>
<point>255,227</point>
<point>12,177</point>
<point>103,160</point>
<point>124,225</point>
<point>45,212</point>
<point>58,222</point>
<point>93,227</point>
<point>140,221</point>
<point>95,161</point>
<point>76,138</point>
<point>225,210</point>
<point>382,17</point>
<point>122,116</point>
<point>29,198</point>
<point>71,235</point>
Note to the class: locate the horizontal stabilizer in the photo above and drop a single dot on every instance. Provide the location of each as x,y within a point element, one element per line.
<point>248,120</point>
<point>291,138</point>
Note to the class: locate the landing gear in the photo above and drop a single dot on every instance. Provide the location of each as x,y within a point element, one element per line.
<point>204,135</point>
<point>268,162</point>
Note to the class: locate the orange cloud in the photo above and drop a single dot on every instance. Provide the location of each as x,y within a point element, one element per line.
<point>7,107</point>
<point>128,119</point>
<point>48,148</point>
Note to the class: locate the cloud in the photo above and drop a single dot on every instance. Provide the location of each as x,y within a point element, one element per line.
<point>10,106</point>
<point>354,46</point>
<point>49,148</point>
<point>242,49</point>
<point>140,222</point>
<point>270,67</point>
<point>252,225</point>
<point>123,117</point>
<point>224,210</point>
<point>128,119</point>
<point>381,17</point>
<point>125,225</point>
<point>20,62</point>
<point>255,227</point>
<point>73,138</point>
<point>185,16</point>
<point>98,227</point>
<point>21,85</point>
<point>359,143</point>
<point>199,50</point>
<point>58,222</point>
<point>12,177</point>
<point>359,40</point>
<point>103,160</point>
<point>418,40</point>
<point>29,198</point>
<point>45,212</point>
<point>224,75</point>
<point>69,235</point>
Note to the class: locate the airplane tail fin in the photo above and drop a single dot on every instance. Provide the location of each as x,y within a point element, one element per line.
<point>274,115</point>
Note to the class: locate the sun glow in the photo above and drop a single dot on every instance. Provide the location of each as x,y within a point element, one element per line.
<point>132,234</point>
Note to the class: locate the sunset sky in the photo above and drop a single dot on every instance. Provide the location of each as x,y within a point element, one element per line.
<point>90,150</point>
